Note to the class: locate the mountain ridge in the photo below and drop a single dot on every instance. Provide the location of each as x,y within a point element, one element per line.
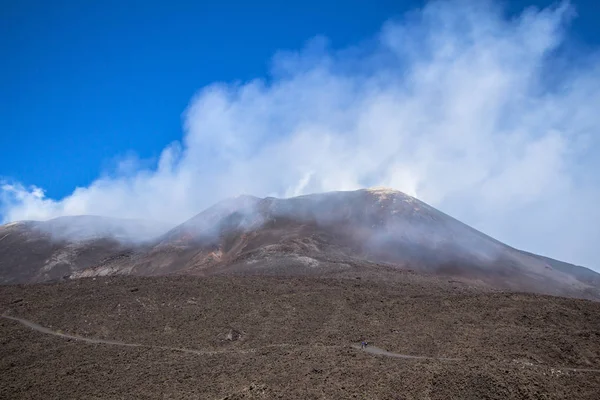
<point>320,233</point>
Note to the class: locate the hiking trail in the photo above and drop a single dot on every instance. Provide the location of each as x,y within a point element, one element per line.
<point>370,349</point>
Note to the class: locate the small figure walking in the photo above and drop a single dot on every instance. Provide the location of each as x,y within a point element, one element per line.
<point>363,344</point>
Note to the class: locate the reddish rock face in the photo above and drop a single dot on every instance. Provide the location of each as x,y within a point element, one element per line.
<point>329,233</point>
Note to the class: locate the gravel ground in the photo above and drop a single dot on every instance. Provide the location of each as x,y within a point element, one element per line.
<point>292,337</point>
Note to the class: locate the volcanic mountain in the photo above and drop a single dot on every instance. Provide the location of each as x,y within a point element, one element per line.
<point>356,232</point>
<point>33,251</point>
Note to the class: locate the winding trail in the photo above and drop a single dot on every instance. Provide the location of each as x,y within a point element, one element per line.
<point>369,349</point>
<point>43,329</point>
<point>376,350</point>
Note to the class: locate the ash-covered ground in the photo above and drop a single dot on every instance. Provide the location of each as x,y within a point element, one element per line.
<point>261,337</point>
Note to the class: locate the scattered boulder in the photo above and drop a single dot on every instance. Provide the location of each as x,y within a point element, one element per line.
<point>233,335</point>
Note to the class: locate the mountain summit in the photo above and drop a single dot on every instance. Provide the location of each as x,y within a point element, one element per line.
<point>339,233</point>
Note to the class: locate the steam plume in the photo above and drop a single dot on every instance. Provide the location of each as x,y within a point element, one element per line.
<point>473,112</point>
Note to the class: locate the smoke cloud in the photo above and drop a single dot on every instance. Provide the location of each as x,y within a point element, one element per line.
<point>491,119</point>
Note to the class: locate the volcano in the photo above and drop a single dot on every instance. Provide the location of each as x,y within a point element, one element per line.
<point>34,251</point>
<point>361,232</point>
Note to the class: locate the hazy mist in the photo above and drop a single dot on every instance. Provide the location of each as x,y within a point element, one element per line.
<point>492,120</point>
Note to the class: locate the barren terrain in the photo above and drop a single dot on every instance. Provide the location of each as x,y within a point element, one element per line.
<point>295,338</point>
<point>269,298</point>
<point>326,233</point>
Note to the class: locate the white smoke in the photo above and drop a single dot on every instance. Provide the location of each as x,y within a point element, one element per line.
<point>491,119</point>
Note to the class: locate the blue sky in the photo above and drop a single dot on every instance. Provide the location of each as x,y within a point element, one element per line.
<point>84,83</point>
<point>106,108</point>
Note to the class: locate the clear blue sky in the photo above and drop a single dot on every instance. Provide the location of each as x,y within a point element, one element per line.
<point>82,82</point>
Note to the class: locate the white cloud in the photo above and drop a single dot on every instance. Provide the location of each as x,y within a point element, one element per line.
<point>472,112</point>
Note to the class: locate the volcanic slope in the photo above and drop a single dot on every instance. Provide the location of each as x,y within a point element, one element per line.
<point>265,337</point>
<point>339,233</point>
<point>32,251</point>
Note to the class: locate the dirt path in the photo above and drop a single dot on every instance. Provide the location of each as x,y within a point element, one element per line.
<point>47,331</point>
<point>369,349</point>
<point>376,350</point>
<point>43,329</point>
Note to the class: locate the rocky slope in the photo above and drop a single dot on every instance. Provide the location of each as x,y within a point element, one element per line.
<point>32,251</point>
<point>290,338</point>
<point>336,233</point>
